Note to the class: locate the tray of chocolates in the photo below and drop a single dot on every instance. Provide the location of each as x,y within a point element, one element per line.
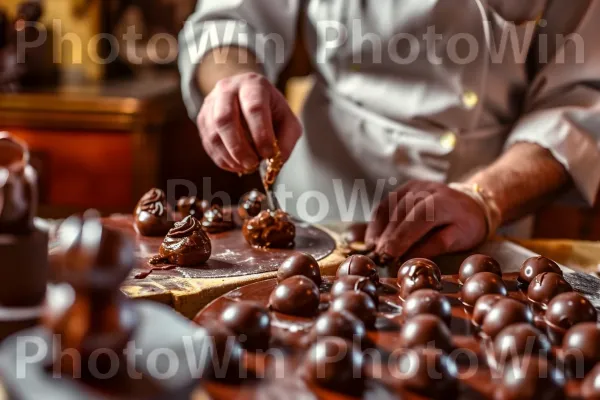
<point>469,327</point>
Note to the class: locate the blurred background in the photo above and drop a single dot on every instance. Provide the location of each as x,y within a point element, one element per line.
<point>92,86</point>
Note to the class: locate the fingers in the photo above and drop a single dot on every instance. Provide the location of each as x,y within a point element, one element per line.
<point>382,215</point>
<point>211,141</point>
<point>254,100</point>
<point>445,240</point>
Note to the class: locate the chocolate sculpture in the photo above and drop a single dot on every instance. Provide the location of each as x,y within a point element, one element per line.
<point>152,214</point>
<point>270,229</point>
<point>186,244</point>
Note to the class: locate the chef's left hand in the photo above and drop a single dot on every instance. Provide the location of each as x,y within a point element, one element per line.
<point>426,219</point>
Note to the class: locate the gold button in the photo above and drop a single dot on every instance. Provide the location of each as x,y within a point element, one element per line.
<point>448,140</point>
<point>470,99</point>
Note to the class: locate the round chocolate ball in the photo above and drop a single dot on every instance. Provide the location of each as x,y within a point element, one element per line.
<point>152,214</point>
<point>582,344</point>
<point>354,283</point>
<point>519,340</point>
<point>359,304</point>
<point>250,322</point>
<point>481,284</point>
<point>417,278</point>
<point>478,263</point>
<point>531,378</point>
<point>251,204</point>
<point>504,313</point>
<point>359,265</point>
<point>299,264</point>
<point>418,263</point>
<point>426,372</point>
<point>534,266</point>
<point>590,387</point>
<point>225,353</point>
<point>427,301</point>
<point>335,364</point>
<point>483,306</point>
<point>339,324</point>
<point>545,287</point>
<point>426,330</point>
<point>297,295</point>
<point>565,311</point>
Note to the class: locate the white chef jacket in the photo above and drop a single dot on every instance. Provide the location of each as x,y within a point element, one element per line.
<point>375,119</point>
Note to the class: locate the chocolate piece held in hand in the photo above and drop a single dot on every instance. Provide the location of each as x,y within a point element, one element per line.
<point>217,220</point>
<point>251,204</point>
<point>192,206</point>
<point>297,295</point>
<point>481,284</point>
<point>534,266</point>
<point>427,372</point>
<point>545,287</point>
<point>359,265</point>
<point>270,229</point>
<point>565,311</point>
<point>505,313</point>
<point>427,301</point>
<point>478,263</point>
<point>418,275</point>
<point>186,244</point>
<point>251,320</point>
<point>300,264</point>
<point>532,378</point>
<point>152,216</point>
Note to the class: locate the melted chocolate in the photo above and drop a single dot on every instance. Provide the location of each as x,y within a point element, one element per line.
<point>152,216</point>
<point>186,244</point>
<point>252,204</point>
<point>270,229</point>
<point>217,220</point>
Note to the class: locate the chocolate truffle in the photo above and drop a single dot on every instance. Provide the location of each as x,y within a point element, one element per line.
<point>426,330</point>
<point>478,263</point>
<point>225,353</point>
<point>251,204</point>
<point>299,264</point>
<point>186,244</point>
<point>417,264</point>
<point>354,283</point>
<point>590,387</point>
<point>358,304</point>
<point>192,206</point>
<point>427,372</point>
<point>270,229</point>
<point>545,287</point>
<point>565,311</point>
<point>297,295</point>
<point>359,265</point>
<point>534,266</point>
<point>217,220</point>
<point>519,340</point>
<point>427,301</point>
<point>582,342</point>
<point>481,284</point>
<point>483,306</point>
<point>251,323</point>
<point>152,216</point>
<point>339,324</point>
<point>532,378</point>
<point>335,364</point>
<point>504,313</point>
<point>419,276</point>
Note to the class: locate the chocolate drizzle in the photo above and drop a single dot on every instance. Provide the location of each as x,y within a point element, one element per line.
<point>152,214</point>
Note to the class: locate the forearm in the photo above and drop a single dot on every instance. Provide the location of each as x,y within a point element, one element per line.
<point>223,63</point>
<point>523,178</point>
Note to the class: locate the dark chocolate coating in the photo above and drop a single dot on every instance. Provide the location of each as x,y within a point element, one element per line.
<point>426,330</point>
<point>354,283</point>
<point>270,229</point>
<point>186,243</point>
<point>251,204</point>
<point>427,372</point>
<point>299,264</point>
<point>545,287</point>
<point>339,324</point>
<point>519,340</point>
<point>427,301</point>
<point>478,263</point>
<point>192,206</point>
<point>565,311</point>
<point>359,304</point>
<point>359,265</point>
<point>217,220</point>
<point>505,313</point>
<point>590,387</point>
<point>297,295</point>
<point>335,364</point>
<point>418,263</point>
<point>534,266</point>
<point>483,306</point>
<point>250,322</point>
<point>533,378</point>
<point>481,284</point>
<point>225,354</point>
<point>418,277</point>
<point>582,343</point>
<point>355,233</point>
<point>152,215</point>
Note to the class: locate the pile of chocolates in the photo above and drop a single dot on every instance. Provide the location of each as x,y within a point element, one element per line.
<point>480,333</point>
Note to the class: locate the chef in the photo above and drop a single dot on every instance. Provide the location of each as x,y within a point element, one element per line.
<point>437,121</point>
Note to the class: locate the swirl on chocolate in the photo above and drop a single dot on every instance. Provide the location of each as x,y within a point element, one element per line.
<point>152,214</point>
<point>216,220</point>
<point>153,202</point>
<point>270,229</point>
<point>186,244</point>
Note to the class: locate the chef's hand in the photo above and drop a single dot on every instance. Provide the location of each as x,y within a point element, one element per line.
<point>426,219</point>
<point>240,120</point>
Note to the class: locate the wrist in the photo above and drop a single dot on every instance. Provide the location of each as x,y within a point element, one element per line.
<point>486,200</point>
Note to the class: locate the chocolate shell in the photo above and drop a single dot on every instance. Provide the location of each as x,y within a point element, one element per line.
<point>152,216</point>
<point>186,244</point>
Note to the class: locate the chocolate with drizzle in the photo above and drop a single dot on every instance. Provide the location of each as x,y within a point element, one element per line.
<point>186,244</point>
<point>152,214</point>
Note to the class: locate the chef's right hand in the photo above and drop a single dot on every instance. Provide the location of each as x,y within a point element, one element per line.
<point>241,119</point>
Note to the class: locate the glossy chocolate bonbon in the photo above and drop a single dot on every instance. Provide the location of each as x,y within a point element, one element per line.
<point>534,266</point>
<point>152,215</point>
<point>478,263</point>
<point>359,265</point>
<point>480,285</point>
<point>270,229</point>
<point>186,244</point>
<point>249,320</point>
<point>300,264</point>
<point>545,286</point>
<point>297,295</point>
